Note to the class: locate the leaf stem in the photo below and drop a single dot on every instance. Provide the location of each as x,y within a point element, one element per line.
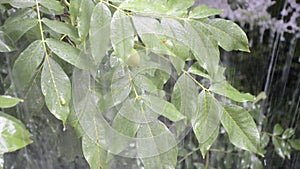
<point>40,26</point>
<point>207,161</point>
<point>199,84</point>
<point>66,3</point>
<point>137,96</point>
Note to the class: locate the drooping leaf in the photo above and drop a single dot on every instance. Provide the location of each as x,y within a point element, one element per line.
<point>228,34</point>
<point>203,47</point>
<point>163,108</point>
<point>16,32</point>
<point>94,154</point>
<point>70,54</point>
<point>205,146</point>
<point>122,34</point>
<point>241,128</point>
<point>204,11</point>
<point>100,31</point>
<point>27,63</point>
<point>6,44</point>
<point>84,18</point>
<point>208,117</point>
<point>13,134</point>
<point>53,5</point>
<point>225,89</point>
<point>87,112</point>
<point>56,88</point>
<point>8,101</point>
<point>22,3</point>
<point>184,96</point>
<point>62,28</point>
<point>156,146</point>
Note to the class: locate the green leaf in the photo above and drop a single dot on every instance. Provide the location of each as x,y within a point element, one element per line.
<point>125,128</point>
<point>8,101</point>
<point>85,104</point>
<point>15,30</point>
<point>163,108</point>
<point>6,44</point>
<point>163,7</point>
<point>282,148</point>
<point>84,18</point>
<point>277,130</point>
<point>62,28</point>
<point>13,134</point>
<point>122,34</point>
<point>205,146</point>
<point>208,117</point>
<point>193,69</point>
<point>225,89</point>
<point>144,83</point>
<point>184,96</point>
<point>22,3</point>
<point>203,47</point>
<point>95,155</point>
<point>70,54</point>
<point>120,86</point>
<point>156,146</point>
<point>241,128</point>
<point>74,11</point>
<point>177,43</point>
<point>53,5</point>
<point>100,31</point>
<point>151,33</point>
<point>204,11</point>
<point>56,88</point>
<point>288,133</point>
<point>295,144</point>
<point>27,63</point>
<point>228,34</point>
<point>265,139</point>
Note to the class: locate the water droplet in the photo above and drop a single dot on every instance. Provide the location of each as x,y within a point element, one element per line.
<point>62,101</point>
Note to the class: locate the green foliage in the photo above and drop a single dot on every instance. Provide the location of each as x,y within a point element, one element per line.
<point>120,56</point>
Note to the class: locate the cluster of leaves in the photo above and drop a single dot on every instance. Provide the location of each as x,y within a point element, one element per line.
<point>102,67</point>
<point>282,141</point>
